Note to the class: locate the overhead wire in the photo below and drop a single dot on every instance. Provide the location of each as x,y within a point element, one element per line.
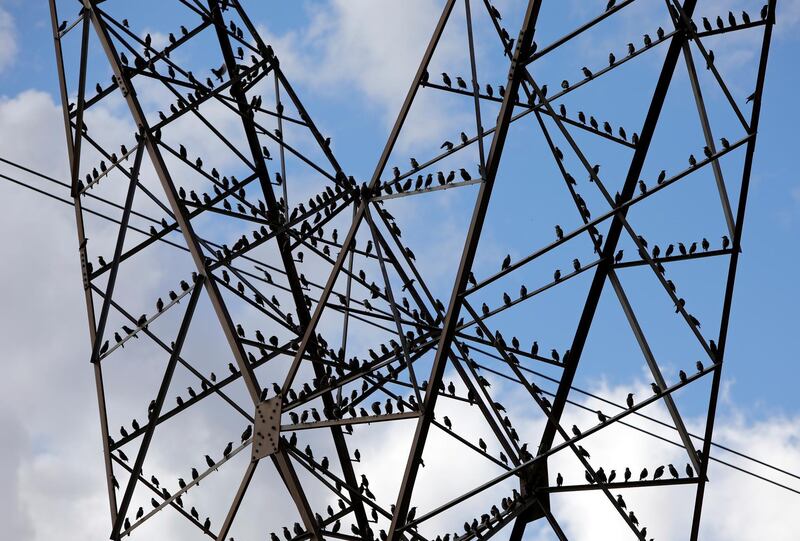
<point>594,396</point>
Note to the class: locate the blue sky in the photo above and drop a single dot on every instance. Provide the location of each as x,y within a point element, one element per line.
<point>353,89</point>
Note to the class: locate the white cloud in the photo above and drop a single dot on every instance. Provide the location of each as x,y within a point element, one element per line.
<point>372,50</point>
<point>8,39</point>
<point>51,454</point>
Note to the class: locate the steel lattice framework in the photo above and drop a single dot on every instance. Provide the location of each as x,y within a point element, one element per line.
<point>306,382</point>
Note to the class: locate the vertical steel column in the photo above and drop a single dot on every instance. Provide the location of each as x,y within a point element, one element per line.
<point>74,157</point>
<point>179,211</point>
<point>283,241</point>
<point>736,250</point>
<point>615,229</point>
<point>516,70</point>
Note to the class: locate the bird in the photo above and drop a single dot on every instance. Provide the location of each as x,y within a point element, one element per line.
<point>627,474</point>
<point>656,388</point>
<point>673,471</point>
<point>559,479</point>
<point>658,472</point>
<point>643,475</point>
<point>506,262</point>
<point>446,80</point>
<point>682,376</point>
<point>689,471</point>
<point>725,242</point>
<point>629,400</point>
<point>559,232</point>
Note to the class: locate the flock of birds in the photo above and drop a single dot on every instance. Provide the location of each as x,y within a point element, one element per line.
<point>223,188</point>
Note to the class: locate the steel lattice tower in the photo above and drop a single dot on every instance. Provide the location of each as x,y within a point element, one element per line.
<point>283,279</point>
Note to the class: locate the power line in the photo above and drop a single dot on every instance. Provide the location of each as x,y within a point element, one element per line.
<point>485,352</point>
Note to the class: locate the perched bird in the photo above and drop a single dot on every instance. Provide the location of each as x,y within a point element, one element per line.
<point>672,471</point>
<point>629,400</point>
<point>506,262</point>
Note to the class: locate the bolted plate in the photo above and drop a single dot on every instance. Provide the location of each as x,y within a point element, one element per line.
<point>266,432</point>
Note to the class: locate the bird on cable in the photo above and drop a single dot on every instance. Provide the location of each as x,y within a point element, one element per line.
<point>557,275</point>
<point>745,17</point>
<point>658,472</point>
<point>446,79</point>
<point>683,377</point>
<point>656,388</point>
<point>559,232</point>
<point>643,475</point>
<point>627,474</point>
<point>629,400</point>
<point>647,40</point>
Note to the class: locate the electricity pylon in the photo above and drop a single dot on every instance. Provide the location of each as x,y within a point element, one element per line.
<point>278,254</point>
